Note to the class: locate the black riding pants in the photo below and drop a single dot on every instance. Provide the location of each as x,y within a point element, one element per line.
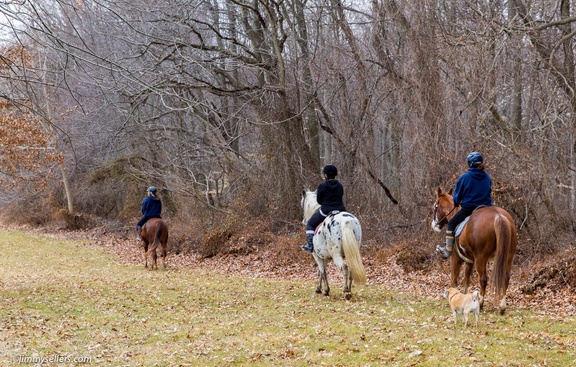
<point>458,218</point>
<point>314,221</point>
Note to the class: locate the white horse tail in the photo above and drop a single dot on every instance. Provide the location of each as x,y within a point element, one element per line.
<point>351,248</point>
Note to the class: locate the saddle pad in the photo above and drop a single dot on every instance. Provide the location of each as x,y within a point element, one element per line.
<point>461,227</point>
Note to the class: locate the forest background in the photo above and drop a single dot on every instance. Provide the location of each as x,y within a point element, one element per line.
<point>232,107</point>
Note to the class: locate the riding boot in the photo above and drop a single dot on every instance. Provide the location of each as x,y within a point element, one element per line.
<point>139,231</point>
<point>446,250</point>
<point>309,246</point>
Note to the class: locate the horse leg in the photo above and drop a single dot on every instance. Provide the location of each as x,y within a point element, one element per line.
<point>163,253</point>
<point>145,254</point>
<point>154,260</point>
<point>480,266</point>
<point>322,278</point>
<point>346,274</point>
<point>455,265</point>
<point>467,274</point>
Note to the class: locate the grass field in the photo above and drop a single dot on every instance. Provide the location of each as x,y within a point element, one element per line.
<point>70,304</point>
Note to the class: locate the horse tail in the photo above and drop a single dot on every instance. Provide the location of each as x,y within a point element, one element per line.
<point>503,258</point>
<point>351,248</point>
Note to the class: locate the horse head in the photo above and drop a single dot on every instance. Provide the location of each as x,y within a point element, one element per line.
<point>442,210</point>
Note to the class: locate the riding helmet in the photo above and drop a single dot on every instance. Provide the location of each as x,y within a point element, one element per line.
<point>330,170</point>
<point>475,159</point>
<point>152,189</point>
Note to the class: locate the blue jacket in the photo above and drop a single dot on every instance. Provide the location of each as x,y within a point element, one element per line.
<point>329,195</point>
<point>473,189</point>
<point>151,207</point>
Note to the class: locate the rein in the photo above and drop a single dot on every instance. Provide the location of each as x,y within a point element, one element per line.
<point>444,217</point>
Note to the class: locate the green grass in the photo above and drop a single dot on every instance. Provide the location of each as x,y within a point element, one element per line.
<point>63,299</point>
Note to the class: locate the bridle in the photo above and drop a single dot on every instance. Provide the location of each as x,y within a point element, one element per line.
<point>435,211</point>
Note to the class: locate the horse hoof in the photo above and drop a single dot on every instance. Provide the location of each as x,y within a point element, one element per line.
<point>502,312</point>
<point>326,294</point>
<point>348,296</point>
<point>318,291</point>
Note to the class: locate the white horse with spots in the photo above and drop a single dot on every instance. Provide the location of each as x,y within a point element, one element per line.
<point>337,238</point>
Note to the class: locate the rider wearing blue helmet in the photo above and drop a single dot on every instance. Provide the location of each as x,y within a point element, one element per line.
<point>329,195</point>
<point>473,189</point>
<point>151,208</point>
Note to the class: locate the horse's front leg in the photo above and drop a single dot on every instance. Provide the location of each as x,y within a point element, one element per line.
<point>322,278</point>
<point>455,266</point>
<point>467,274</point>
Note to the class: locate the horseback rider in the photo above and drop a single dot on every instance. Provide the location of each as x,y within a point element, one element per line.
<point>329,195</point>
<point>151,208</point>
<point>473,189</point>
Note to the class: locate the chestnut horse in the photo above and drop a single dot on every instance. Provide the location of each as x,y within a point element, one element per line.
<point>154,234</point>
<point>337,238</point>
<point>489,233</point>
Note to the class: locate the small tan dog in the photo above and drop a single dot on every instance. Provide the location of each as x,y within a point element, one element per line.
<point>463,304</point>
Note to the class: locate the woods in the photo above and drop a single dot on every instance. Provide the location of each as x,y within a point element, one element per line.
<point>232,107</point>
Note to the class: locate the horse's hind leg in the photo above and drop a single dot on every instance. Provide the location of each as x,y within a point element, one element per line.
<point>482,278</point>
<point>163,253</point>
<point>347,275</point>
<point>154,265</point>
<point>145,255</point>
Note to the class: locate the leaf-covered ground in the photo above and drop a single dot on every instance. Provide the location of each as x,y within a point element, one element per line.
<point>70,299</point>
<point>547,286</point>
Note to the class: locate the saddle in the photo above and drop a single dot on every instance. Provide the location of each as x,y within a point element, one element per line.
<point>461,226</point>
<point>332,213</point>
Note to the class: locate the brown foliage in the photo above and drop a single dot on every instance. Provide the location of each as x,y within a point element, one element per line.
<point>25,150</point>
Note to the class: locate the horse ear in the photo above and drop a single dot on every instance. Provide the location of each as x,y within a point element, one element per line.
<point>438,192</point>
<point>450,192</point>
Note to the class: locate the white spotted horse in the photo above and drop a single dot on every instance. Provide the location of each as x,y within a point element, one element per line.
<point>337,238</point>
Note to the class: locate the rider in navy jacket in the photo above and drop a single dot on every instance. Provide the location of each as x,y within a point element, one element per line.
<point>329,195</point>
<point>473,189</point>
<point>151,208</point>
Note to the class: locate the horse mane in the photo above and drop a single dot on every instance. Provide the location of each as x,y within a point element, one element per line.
<point>309,204</point>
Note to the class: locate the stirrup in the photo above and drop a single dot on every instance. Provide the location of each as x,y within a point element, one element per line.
<point>443,251</point>
<point>307,248</point>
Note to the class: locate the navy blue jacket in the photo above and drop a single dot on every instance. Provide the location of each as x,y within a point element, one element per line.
<point>473,189</point>
<point>151,207</point>
<point>330,195</point>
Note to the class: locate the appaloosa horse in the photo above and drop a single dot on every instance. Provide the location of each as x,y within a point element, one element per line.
<point>489,233</point>
<point>154,234</point>
<point>337,238</point>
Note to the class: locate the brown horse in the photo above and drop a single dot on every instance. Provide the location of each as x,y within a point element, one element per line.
<point>489,233</point>
<point>155,233</point>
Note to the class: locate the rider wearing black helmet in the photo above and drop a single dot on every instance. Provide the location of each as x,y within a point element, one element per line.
<point>473,189</point>
<point>151,208</point>
<point>329,195</point>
